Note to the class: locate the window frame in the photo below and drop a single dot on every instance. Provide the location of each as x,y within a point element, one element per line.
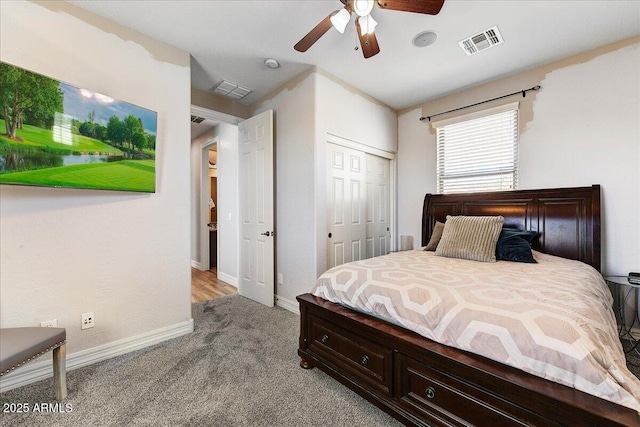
<point>436,125</point>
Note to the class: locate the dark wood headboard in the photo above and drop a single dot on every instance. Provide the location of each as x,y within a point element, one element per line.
<point>567,219</point>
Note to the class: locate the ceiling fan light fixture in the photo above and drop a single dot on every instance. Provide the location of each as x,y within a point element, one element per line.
<point>363,7</point>
<point>367,24</point>
<point>340,20</point>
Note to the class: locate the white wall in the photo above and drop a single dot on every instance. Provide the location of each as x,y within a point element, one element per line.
<point>295,187</point>
<point>305,110</point>
<point>124,256</point>
<point>195,184</point>
<point>586,130</point>
<point>227,135</point>
<point>351,114</point>
<point>582,128</point>
<point>416,164</point>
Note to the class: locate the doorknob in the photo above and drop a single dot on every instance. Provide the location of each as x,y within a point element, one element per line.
<point>266,233</point>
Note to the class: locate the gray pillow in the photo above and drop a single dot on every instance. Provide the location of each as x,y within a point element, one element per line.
<point>436,234</point>
<point>470,237</point>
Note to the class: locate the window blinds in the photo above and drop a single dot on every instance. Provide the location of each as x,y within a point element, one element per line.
<point>479,154</point>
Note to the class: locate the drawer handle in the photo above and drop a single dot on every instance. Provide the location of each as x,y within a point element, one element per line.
<point>324,338</point>
<point>430,392</point>
<point>365,360</point>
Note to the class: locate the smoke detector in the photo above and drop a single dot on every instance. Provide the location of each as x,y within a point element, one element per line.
<point>481,41</point>
<point>271,63</point>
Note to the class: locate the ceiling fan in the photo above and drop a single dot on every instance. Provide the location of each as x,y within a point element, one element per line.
<point>365,24</point>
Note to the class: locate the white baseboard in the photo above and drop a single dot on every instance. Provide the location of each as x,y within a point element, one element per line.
<point>233,281</point>
<point>33,372</point>
<point>288,305</point>
<point>196,264</point>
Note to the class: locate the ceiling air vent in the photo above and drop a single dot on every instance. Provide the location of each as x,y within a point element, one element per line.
<point>481,41</point>
<point>196,119</point>
<point>230,90</point>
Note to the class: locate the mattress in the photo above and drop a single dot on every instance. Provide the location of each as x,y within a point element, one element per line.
<point>552,319</point>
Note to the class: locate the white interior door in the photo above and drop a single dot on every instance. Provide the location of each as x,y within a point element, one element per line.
<point>256,247</point>
<point>378,184</point>
<point>347,204</point>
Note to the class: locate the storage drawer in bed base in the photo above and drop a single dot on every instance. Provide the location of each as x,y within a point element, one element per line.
<point>422,383</point>
<point>363,359</point>
<point>429,392</point>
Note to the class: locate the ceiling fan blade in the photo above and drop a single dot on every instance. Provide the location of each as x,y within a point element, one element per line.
<point>312,36</point>
<point>368,42</point>
<point>430,7</point>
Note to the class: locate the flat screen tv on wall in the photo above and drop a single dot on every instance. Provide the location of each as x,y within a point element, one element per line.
<point>58,135</point>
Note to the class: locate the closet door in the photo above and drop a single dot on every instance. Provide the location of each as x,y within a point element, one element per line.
<point>378,183</point>
<point>347,205</point>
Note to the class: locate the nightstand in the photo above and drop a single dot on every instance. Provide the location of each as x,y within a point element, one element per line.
<point>624,290</point>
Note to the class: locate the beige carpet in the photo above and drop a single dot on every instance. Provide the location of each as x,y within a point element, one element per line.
<point>239,368</point>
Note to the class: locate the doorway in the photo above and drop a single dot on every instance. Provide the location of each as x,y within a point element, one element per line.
<point>213,204</point>
<point>221,135</point>
<point>244,151</point>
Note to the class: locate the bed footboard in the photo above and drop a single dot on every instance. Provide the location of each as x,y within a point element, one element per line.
<point>423,383</point>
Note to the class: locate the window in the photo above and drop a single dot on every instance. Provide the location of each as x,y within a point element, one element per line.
<point>478,151</point>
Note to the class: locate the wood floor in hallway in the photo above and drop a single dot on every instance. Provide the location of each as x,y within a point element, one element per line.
<point>205,285</point>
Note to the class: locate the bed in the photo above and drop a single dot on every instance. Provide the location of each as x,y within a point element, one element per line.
<point>423,382</point>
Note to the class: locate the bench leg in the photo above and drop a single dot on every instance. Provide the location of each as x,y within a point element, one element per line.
<point>60,372</point>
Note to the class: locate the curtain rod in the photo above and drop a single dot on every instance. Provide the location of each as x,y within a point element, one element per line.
<point>523,92</point>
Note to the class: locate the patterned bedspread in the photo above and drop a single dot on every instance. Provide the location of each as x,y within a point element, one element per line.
<point>552,319</point>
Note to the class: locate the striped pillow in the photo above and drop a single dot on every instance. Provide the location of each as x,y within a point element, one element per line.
<point>470,237</point>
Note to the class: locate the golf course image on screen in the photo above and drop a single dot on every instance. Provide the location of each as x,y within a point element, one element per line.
<point>55,134</point>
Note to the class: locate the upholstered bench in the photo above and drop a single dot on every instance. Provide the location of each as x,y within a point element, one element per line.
<point>20,345</point>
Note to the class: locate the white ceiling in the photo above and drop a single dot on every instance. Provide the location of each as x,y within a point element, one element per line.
<point>231,39</point>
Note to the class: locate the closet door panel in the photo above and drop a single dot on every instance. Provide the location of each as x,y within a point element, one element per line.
<point>378,182</point>
<point>346,201</point>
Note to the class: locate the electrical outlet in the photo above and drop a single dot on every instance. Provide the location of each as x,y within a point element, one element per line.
<point>53,323</point>
<point>87,320</point>
<point>280,279</point>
